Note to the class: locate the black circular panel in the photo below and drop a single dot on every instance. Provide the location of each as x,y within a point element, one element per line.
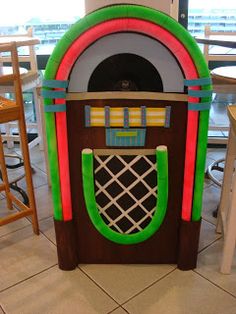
<point>125,72</point>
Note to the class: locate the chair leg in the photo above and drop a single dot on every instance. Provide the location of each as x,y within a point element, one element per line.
<point>4,175</point>
<point>230,237</point>
<point>28,175</point>
<point>227,181</point>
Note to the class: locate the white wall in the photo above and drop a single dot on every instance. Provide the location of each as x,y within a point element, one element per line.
<point>162,5</point>
<point>153,51</point>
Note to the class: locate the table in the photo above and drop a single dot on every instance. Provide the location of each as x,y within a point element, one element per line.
<point>218,40</point>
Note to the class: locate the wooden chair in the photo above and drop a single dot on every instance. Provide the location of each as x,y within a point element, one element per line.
<point>227,209</point>
<point>207,48</point>
<point>14,111</point>
<point>30,80</point>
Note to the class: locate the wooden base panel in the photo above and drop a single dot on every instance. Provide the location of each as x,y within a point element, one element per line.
<point>188,244</point>
<point>66,245</point>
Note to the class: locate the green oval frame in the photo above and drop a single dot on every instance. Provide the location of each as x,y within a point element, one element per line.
<point>161,205</point>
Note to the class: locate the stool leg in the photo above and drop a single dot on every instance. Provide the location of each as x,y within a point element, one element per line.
<point>28,175</point>
<point>38,118</point>
<point>227,181</point>
<point>4,175</point>
<point>230,237</point>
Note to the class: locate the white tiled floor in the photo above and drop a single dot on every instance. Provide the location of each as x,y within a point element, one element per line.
<point>31,282</point>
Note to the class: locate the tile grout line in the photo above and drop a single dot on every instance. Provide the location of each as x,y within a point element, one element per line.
<point>28,278</point>
<point>13,231</point>
<point>98,285</point>
<point>1,308</point>
<point>209,222</point>
<point>146,288</point>
<point>214,284</point>
<point>48,238</point>
<point>119,307</point>
<point>27,226</point>
<point>214,241</point>
<point>110,312</point>
<point>125,309</point>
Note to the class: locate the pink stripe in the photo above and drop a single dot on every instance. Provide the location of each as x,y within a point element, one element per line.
<point>186,62</point>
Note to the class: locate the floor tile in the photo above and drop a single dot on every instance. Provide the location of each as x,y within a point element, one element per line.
<point>56,292</point>
<point>24,254</point>
<point>13,226</point>
<point>211,199</point>
<point>124,281</point>
<point>182,293</point>
<point>47,228</point>
<point>209,266</point>
<point>39,179</point>
<point>37,158</point>
<point>43,198</point>
<point>207,235</point>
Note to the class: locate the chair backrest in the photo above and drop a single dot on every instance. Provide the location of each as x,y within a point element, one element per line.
<point>217,57</point>
<point>29,58</point>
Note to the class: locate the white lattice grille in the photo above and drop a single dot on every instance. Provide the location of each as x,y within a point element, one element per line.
<point>126,190</point>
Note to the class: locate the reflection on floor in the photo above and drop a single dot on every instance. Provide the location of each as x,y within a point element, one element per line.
<point>30,281</point>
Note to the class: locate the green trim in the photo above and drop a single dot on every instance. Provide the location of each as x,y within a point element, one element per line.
<point>199,106</point>
<point>53,94</point>
<point>53,162</point>
<point>55,83</point>
<point>200,165</point>
<point>161,206</point>
<point>143,13</point>
<point>198,82</point>
<point>199,93</point>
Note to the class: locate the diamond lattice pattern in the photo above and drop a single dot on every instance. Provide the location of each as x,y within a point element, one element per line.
<point>126,191</point>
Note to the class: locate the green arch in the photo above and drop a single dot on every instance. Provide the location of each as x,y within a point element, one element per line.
<point>168,23</point>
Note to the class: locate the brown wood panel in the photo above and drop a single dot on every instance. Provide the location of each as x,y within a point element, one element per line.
<point>162,247</point>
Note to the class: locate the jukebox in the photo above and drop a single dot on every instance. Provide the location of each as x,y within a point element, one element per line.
<point>127,95</point>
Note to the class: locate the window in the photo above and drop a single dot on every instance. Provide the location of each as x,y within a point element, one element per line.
<point>50,19</point>
<point>221,15</point>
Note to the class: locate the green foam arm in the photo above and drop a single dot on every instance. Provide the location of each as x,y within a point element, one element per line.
<point>162,180</point>
<point>161,206</point>
<point>200,165</point>
<point>52,153</point>
<point>53,165</point>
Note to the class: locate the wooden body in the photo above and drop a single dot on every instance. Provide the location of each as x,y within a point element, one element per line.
<point>92,246</point>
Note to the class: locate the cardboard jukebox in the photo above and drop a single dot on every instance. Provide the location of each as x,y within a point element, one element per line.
<point>127,95</point>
